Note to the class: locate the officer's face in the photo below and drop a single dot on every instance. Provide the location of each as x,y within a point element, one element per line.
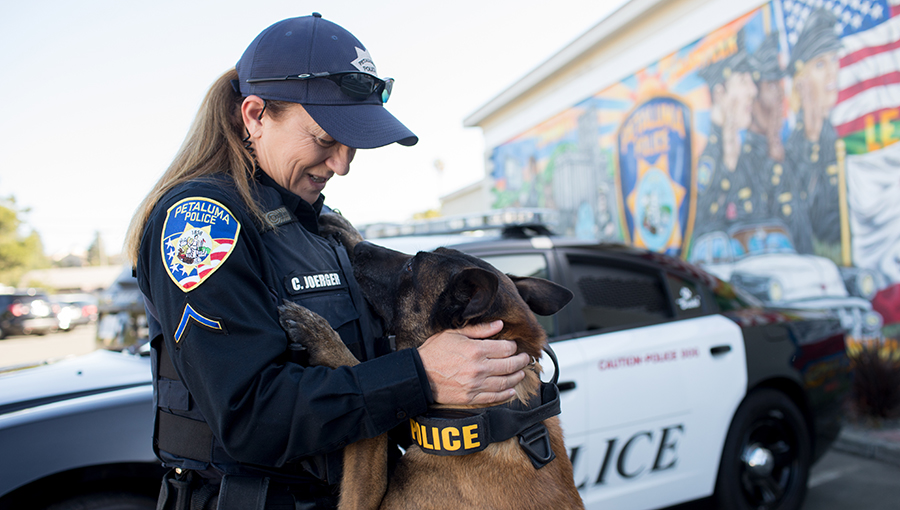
<point>819,83</point>
<point>738,99</point>
<point>298,154</point>
<point>771,95</point>
<point>767,108</point>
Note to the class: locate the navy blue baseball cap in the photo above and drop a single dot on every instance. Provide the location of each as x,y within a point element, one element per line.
<point>320,65</point>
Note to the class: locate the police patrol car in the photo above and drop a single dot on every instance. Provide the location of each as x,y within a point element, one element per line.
<point>674,385</point>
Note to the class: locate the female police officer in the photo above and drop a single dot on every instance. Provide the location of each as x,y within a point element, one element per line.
<point>230,231</point>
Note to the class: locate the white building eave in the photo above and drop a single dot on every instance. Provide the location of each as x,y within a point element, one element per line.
<point>634,36</point>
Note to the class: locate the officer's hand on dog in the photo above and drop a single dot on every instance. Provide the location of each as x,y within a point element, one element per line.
<point>463,369</point>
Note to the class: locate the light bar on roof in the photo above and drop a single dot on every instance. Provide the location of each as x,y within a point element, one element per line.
<point>494,219</point>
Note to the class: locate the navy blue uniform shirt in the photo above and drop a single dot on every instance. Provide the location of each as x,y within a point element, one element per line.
<point>215,278</point>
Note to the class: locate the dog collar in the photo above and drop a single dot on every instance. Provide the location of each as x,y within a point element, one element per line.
<point>461,432</point>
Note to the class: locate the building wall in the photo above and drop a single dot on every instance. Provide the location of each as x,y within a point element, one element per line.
<point>73,279</point>
<point>472,198</point>
<point>718,131</point>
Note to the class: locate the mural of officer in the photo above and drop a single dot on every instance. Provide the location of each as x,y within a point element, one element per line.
<point>810,150</point>
<point>725,191</point>
<point>768,107</point>
<point>772,176</point>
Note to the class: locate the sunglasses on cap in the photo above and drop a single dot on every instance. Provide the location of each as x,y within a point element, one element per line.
<point>355,85</point>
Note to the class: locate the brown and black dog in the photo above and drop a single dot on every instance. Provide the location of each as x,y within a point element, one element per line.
<point>419,296</point>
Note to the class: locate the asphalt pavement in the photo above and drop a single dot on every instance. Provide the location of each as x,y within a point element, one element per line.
<point>844,481</point>
<point>23,351</point>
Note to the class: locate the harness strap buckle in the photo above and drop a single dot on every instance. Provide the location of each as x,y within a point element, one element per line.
<point>535,441</point>
<point>175,490</point>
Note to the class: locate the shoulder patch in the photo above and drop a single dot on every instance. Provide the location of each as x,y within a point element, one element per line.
<point>198,236</point>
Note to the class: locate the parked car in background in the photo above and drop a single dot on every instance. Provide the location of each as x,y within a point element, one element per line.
<point>74,310</point>
<point>122,322</point>
<point>26,312</point>
<point>761,259</point>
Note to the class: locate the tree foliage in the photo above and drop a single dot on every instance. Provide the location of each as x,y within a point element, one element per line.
<point>19,252</point>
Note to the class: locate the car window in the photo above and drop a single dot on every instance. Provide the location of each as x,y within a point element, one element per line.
<point>525,264</point>
<point>700,253</point>
<point>730,297</point>
<point>720,253</point>
<point>778,242</point>
<point>617,296</point>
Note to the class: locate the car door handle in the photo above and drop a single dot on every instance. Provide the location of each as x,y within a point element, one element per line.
<point>719,350</point>
<point>566,386</point>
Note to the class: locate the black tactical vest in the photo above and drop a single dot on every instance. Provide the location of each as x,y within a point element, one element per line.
<point>304,268</point>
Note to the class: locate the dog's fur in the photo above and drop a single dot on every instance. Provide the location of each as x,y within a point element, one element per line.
<point>418,297</point>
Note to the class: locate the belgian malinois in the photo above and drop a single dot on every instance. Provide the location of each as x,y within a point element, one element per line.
<point>419,296</point>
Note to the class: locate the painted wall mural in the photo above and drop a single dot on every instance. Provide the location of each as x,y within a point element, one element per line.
<point>764,151</point>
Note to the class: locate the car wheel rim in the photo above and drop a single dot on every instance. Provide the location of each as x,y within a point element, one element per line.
<point>769,461</point>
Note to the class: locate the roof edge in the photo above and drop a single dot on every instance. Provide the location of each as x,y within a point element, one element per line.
<point>619,19</point>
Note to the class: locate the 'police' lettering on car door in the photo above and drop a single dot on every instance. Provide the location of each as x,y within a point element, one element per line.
<point>642,453</point>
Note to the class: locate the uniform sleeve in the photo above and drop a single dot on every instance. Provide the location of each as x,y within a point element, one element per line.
<point>226,343</point>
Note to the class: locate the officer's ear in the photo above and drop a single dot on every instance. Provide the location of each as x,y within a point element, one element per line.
<point>251,111</point>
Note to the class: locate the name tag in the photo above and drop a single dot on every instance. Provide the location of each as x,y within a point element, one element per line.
<point>314,282</point>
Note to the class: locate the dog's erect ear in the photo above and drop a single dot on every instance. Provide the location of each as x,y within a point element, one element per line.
<point>542,296</point>
<point>474,290</point>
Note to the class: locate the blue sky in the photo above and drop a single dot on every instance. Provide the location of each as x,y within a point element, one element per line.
<point>100,93</point>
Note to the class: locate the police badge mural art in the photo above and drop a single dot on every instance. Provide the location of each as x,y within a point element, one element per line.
<point>655,174</point>
<point>198,236</point>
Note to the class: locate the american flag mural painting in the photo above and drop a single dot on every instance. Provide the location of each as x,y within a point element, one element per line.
<point>869,78</point>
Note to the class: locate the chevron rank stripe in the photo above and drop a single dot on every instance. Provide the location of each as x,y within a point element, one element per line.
<point>191,314</point>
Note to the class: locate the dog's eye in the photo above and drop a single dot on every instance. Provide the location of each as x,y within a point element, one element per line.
<point>408,266</point>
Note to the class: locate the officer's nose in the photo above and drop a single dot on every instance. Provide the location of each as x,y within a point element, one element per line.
<point>340,158</point>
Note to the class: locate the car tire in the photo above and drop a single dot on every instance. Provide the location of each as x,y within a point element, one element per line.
<point>767,455</point>
<point>106,501</point>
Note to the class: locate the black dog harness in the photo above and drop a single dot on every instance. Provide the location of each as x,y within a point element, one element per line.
<point>461,432</point>
<point>465,431</point>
